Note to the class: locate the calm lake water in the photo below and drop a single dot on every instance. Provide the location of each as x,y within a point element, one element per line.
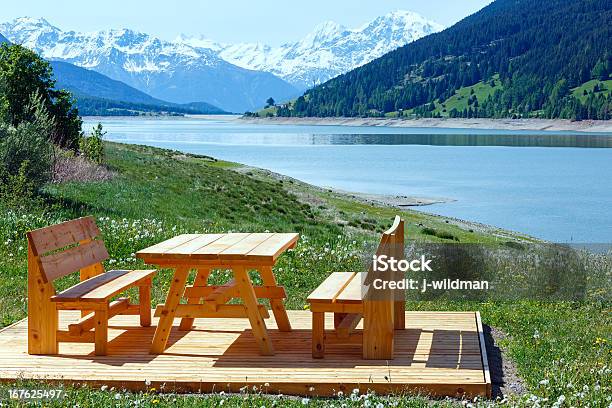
<point>552,185</point>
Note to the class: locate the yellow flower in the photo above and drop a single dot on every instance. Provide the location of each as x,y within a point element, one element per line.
<point>600,340</point>
<point>306,307</point>
<point>155,401</point>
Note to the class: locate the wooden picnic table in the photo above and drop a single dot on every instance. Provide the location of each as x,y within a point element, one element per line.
<point>238,252</point>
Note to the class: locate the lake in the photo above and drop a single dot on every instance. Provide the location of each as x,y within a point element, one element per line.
<point>552,185</point>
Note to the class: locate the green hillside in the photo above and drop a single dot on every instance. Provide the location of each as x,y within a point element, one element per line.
<point>594,87</point>
<point>536,52</point>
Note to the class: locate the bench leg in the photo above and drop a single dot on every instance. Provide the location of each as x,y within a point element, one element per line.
<point>318,334</point>
<point>378,330</point>
<point>42,313</point>
<point>101,332</point>
<point>144,300</point>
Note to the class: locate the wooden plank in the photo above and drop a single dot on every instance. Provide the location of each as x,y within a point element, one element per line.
<point>327,291</point>
<point>88,322</point>
<point>187,248</point>
<point>348,324</point>
<point>73,259</point>
<point>89,272</point>
<point>378,330</point>
<point>337,307</point>
<point>400,295</point>
<point>42,314</point>
<point>483,354</point>
<point>162,333</point>
<point>261,292</point>
<point>241,248</point>
<point>273,247</point>
<point>213,250</point>
<point>162,247</point>
<point>103,287</point>
<point>68,337</point>
<point>223,311</point>
<point>352,291</point>
<point>222,295</point>
<point>118,285</point>
<point>67,233</point>
<point>221,354</point>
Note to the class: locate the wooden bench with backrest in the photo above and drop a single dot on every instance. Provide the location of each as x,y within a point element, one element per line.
<point>59,250</point>
<point>350,297</point>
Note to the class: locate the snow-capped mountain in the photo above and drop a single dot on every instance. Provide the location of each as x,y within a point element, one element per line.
<point>234,77</point>
<point>329,50</point>
<point>176,72</point>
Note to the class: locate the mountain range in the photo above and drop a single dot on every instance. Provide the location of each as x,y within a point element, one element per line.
<point>328,51</point>
<point>513,58</point>
<point>174,72</point>
<point>236,77</point>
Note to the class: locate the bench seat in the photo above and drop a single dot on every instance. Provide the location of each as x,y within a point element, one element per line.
<point>102,287</point>
<point>339,287</point>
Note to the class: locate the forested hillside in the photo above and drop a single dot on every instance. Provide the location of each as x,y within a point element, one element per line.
<point>532,56</point>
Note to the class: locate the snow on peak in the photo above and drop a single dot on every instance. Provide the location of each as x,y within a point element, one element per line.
<point>332,49</point>
<point>105,50</point>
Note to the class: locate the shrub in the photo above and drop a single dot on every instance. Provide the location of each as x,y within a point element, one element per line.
<point>26,155</point>
<point>22,74</point>
<point>69,167</point>
<point>92,146</point>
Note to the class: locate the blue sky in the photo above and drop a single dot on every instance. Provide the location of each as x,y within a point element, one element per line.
<point>269,21</point>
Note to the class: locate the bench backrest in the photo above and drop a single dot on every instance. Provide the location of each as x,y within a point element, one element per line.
<point>383,310</point>
<point>392,245</point>
<point>392,241</point>
<point>71,246</point>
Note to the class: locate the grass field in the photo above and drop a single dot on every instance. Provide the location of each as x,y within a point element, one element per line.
<point>605,87</point>
<point>562,350</point>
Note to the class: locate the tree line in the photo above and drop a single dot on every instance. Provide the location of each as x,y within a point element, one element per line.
<point>540,50</point>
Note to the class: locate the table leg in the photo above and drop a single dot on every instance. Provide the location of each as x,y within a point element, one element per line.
<point>162,332</point>
<point>201,279</point>
<point>278,307</point>
<point>247,293</point>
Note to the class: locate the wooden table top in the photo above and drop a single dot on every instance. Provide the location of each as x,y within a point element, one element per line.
<point>251,247</point>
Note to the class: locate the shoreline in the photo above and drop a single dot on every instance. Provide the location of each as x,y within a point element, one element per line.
<point>587,126</point>
<point>308,193</point>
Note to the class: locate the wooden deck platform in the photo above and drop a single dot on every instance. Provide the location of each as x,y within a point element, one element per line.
<point>439,353</point>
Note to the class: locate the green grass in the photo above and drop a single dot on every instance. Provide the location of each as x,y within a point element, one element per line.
<point>561,348</point>
<point>459,101</point>
<point>605,87</point>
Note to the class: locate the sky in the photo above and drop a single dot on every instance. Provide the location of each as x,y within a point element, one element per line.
<point>269,21</point>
